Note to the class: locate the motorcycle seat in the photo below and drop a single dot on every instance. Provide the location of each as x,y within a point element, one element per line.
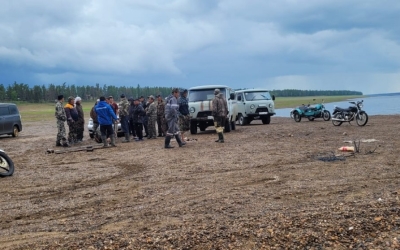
<point>343,110</point>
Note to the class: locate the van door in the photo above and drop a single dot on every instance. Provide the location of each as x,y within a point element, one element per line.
<point>3,118</point>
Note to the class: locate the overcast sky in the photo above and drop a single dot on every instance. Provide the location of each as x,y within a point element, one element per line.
<point>274,44</point>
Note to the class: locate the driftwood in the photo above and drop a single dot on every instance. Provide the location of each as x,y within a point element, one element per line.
<point>85,148</point>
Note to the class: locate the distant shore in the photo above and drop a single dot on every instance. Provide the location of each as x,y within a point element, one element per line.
<point>291,102</point>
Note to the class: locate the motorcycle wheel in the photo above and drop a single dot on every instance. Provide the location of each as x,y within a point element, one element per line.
<point>297,116</point>
<point>6,165</point>
<point>337,116</point>
<point>326,115</point>
<point>362,119</point>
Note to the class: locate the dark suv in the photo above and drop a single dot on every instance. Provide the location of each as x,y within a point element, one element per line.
<point>10,119</point>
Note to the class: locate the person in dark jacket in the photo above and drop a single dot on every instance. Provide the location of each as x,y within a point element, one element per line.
<point>93,115</point>
<point>171,115</point>
<point>80,123</point>
<point>184,116</point>
<point>106,117</point>
<point>131,123</point>
<point>138,113</point>
<point>144,104</point>
<point>72,117</point>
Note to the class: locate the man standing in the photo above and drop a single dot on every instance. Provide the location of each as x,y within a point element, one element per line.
<point>138,113</point>
<point>105,116</point>
<point>131,122</point>
<point>219,111</point>
<point>80,123</point>
<point>93,115</point>
<point>171,115</point>
<point>160,115</point>
<point>145,120</point>
<point>184,117</point>
<point>72,117</point>
<point>152,118</point>
<point>61,118</point>
<point>124,117</point>
<point>114,106</point>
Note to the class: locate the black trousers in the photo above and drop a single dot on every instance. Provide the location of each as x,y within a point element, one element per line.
<point>132,128</point>
<point>106,130</point>
<point>139,130</point>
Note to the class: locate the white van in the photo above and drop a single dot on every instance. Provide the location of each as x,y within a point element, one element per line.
<point>253,104</point>
<point>200,107</point>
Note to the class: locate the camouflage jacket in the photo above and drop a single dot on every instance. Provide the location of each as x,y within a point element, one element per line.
<point>123,107</point>
<point>152,110</point>
<point>219,106</point>
<point>60,112</point>
<point>160,108</point>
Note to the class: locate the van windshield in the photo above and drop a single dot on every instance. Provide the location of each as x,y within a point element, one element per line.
<point>257,95</point>
<point>198,95</point>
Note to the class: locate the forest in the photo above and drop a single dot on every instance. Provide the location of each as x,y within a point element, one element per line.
<point>43,93</point>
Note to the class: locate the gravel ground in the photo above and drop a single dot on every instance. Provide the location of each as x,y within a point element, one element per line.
<point>264,188</point>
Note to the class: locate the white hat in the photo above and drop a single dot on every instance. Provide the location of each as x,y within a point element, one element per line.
<point>78,99</point>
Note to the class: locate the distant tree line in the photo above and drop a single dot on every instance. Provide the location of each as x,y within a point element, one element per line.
<point>298,92</point>
<point>43,93</point>
<point>39,94</point>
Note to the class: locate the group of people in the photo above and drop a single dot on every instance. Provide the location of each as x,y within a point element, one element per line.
<point>172,117</point>
<point>73,114</point>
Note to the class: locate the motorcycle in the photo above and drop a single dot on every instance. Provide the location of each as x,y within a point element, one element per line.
<point>352,113</point>
<point>6,165</point>
<point>311,112</point>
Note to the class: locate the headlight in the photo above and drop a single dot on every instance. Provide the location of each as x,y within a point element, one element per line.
<point>192,110</point>
<point>360,105</point>
<point>270,105</point>
<point>252,106</point>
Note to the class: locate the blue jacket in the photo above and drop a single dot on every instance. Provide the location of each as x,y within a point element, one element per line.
<point>105,114</point>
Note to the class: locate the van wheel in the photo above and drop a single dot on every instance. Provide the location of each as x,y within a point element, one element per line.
<point>15,131</point>
<point>227,126</point>
<point>242,120</point>
<point>193,128</point>
<point>266,120</point>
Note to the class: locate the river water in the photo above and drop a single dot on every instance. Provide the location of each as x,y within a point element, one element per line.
<point>376,105</point>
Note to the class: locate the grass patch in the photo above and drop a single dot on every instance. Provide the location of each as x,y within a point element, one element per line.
<point>31,112</point>
<point>291,102</point>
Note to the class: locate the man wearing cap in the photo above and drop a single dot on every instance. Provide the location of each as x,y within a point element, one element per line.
<point>219,111</point>
<point>105,116</point>
<point>171,115</point>
<point>152,118</point>
<point>80,123</point>
<point>114,106</point>
<point>160,116</point>
<point>137,117</point>
<point>184,116</point>
<point>124,116</point>
<point>61,118</point>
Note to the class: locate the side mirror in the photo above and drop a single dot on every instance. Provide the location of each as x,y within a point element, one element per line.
<point>232,96</point>
<point>273,97</point>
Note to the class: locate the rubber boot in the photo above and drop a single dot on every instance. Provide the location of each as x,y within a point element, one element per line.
<point>113,141</point>
<point>221,135</point>
<point>179,141</point>
<point>167,142</point>
<point>127,139</point>
<point>58,144</point>
<point>104,140</point>
<point>219,138</point>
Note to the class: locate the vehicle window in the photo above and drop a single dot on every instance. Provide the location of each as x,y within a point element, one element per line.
<point>4,111</point>
<point>257,95</point>
<point>240,97</point>
<point>202,94</point>
<point>13,110</point>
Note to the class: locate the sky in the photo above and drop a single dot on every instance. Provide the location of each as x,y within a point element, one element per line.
<point>273,44</point>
